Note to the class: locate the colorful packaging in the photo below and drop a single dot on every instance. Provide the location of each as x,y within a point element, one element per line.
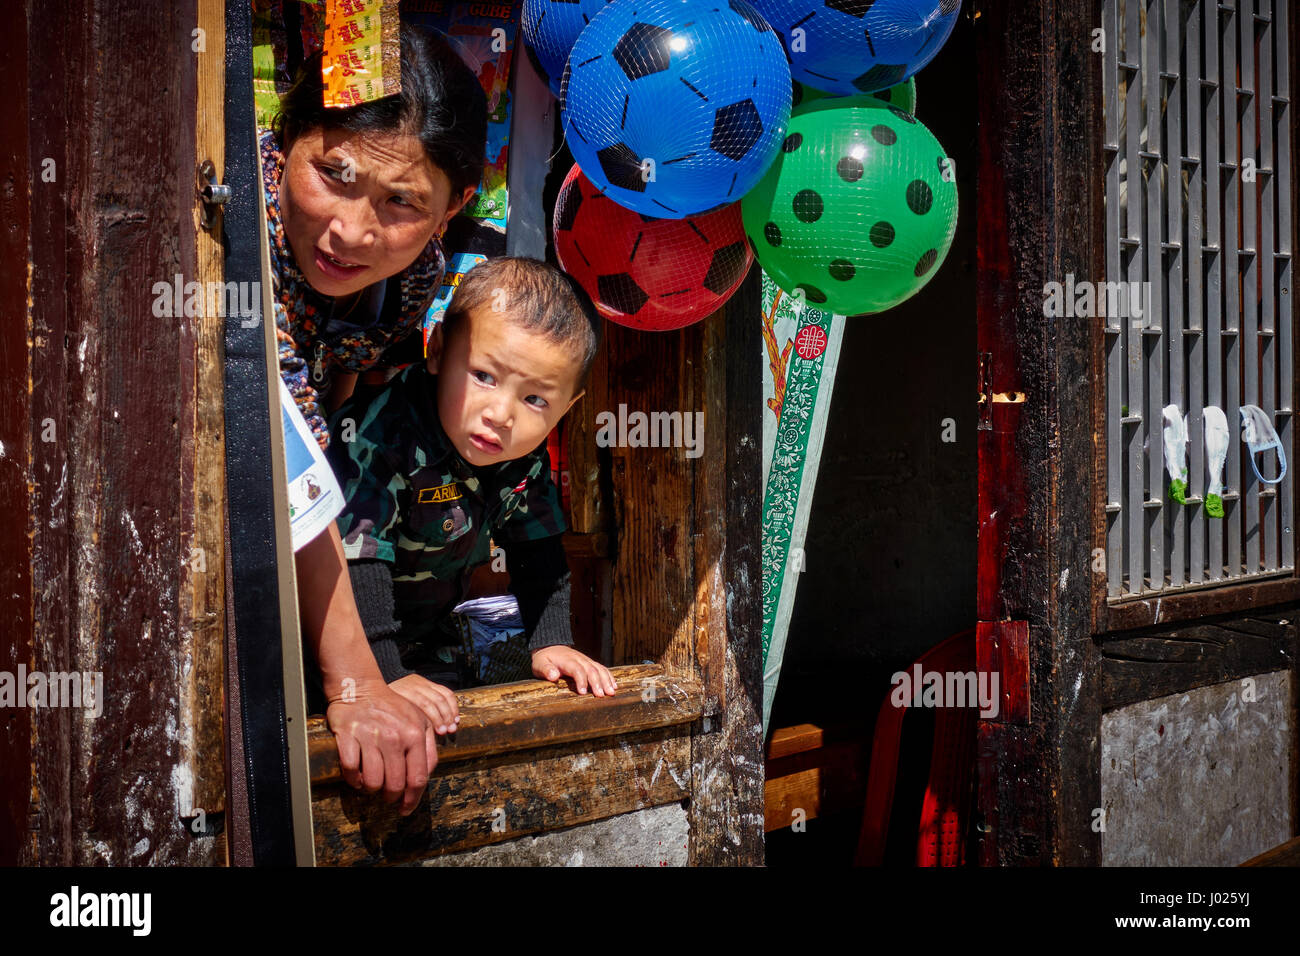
<point>362,60</point>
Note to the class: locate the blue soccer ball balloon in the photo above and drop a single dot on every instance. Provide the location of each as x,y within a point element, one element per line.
<point>675,107</point>
<point>859,46</point>
<point>550,28</point>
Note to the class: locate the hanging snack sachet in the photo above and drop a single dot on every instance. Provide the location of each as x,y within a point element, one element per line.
<point>362,52</point>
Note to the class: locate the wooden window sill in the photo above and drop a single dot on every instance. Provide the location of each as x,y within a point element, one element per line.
<point>1251,595</point>
<point>529,714</point>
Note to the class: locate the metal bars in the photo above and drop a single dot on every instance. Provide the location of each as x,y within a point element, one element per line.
<point>1198,140</point>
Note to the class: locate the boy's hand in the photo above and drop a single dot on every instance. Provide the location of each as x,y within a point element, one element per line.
<point>384,742</point>
<point>551,662</point>
<point>437,702</point>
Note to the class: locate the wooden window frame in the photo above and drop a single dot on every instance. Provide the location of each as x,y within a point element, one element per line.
<point>560,759</point>
<point>681,538</point>
<point>1189,602</point>
<point>687,681</point>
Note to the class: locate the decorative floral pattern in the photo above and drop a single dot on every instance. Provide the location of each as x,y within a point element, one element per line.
<point>797,388</point>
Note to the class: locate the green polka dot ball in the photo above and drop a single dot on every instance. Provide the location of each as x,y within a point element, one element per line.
<point>859,208</point>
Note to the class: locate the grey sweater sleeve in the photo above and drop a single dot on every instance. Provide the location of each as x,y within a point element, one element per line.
<point>539,580</point>
<point>372,587</point>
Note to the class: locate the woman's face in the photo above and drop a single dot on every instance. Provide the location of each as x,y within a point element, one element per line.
<point>358,208</point>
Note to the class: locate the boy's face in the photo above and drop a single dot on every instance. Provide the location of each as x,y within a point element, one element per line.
<point>501,388</point>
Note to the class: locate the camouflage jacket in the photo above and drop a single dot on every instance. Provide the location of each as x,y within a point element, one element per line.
<point>415,504</point>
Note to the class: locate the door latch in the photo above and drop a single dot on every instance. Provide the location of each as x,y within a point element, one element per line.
<point>212,194</point>
<point>988,397</point>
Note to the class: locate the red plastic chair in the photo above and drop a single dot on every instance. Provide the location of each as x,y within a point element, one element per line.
<point>945,811</point>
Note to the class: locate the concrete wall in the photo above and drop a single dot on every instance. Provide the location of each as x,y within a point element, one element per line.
<point>1199,779</point>
<point>653,837</point>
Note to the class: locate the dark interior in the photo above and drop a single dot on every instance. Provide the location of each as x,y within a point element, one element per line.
<point>891,544</point>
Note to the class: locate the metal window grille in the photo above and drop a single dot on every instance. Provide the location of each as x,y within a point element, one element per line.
<point>1198,207</point>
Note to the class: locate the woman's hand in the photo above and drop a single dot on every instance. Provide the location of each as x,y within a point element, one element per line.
<point>384,742</point>
<point>436,701</point>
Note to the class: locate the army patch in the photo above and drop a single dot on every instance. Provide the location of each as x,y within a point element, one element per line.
<point>447,492</point>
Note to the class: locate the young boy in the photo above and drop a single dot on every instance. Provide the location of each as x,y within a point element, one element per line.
<point>452,452</point>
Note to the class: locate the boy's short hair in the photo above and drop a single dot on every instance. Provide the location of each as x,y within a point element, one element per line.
<point>536,296</point>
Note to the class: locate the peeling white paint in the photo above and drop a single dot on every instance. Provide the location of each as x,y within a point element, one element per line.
<point>1074,695</point>
<point>137,546</point>
<point>183,785</point>
<point>57,510</point>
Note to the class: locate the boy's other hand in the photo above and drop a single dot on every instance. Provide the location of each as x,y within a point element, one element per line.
<point>437,702</point>
<point>549,663</point>
<point>385,742</point>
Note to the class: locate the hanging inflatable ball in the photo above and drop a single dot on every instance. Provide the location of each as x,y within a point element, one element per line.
<point>550,28</point>
<point>859,209</point>
<point>674,107</point>
<point>651,274</point>
<point>859,46</point>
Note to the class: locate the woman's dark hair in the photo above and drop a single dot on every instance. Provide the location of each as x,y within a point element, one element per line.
<point>441,102</point>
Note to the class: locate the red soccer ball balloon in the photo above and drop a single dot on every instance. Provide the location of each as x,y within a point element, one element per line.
<point>645,273</point>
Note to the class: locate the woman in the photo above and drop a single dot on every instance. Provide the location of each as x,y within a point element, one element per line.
<point>356,200</point>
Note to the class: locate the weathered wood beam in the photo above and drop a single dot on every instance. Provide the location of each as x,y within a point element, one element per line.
<point>1039,207</point>
<point>726,811</point>
<point>1172,660</point>
<point>1288,854</point>
<point>109,440</point>
<point>653,506</point>
<point>505,718</point>
<point>490,799</point>
<point>27,502</point>
<point>1197,602</point>
<point>203,478</point>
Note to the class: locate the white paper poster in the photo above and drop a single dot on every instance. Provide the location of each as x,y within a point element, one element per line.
<point>315,498</point>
